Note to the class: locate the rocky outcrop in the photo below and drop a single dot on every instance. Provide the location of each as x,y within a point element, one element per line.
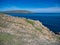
<point>25,32</point>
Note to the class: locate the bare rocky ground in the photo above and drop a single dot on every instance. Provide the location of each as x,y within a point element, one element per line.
<point>22,31</point>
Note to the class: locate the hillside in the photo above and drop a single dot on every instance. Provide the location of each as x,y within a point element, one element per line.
<point>22,31</point>
<point>17,11</point>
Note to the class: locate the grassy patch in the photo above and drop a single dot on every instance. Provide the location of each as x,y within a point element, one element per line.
<point>5,38</point>
<point>58,38</point>
<point>38,29</point>
<point>29,21</point>
<point>2,25</point>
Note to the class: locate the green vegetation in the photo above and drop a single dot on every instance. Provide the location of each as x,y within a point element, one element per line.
<point>29,21</point>
<point>58,38</point>
<point>5,38</point>
<point>2,25</point>
<point>38,29</point>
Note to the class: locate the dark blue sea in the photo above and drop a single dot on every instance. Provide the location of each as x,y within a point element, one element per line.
<point>50,20</point>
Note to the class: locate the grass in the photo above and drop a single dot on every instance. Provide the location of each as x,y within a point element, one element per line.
<point>2,25</point>
<point>38,29</point>
<point>29,21</point>
<point>59,38</point>
<point>5,38</point>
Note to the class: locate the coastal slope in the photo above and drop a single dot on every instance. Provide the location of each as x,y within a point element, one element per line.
<point>22,31</point>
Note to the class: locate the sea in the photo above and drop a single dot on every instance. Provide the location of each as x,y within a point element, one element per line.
<point>50,20</point>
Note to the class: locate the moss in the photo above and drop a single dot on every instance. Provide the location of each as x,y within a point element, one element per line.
<point>29,21</point>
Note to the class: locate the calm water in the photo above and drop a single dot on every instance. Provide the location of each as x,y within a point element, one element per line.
<point>50,20</point>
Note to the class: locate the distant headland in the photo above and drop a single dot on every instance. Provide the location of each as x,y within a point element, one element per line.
<point>17,11</point>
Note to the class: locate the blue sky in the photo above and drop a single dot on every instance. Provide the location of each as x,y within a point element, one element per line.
<point>32,5</point>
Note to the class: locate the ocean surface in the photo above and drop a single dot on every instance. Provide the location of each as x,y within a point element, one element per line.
<point>50,20</point>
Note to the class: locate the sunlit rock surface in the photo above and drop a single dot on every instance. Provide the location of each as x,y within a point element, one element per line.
<point>22,31</point>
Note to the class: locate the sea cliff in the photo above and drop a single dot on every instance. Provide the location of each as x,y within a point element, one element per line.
<point>22,31</point>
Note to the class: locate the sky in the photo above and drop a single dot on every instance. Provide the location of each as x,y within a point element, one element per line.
<point>43,6</point>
